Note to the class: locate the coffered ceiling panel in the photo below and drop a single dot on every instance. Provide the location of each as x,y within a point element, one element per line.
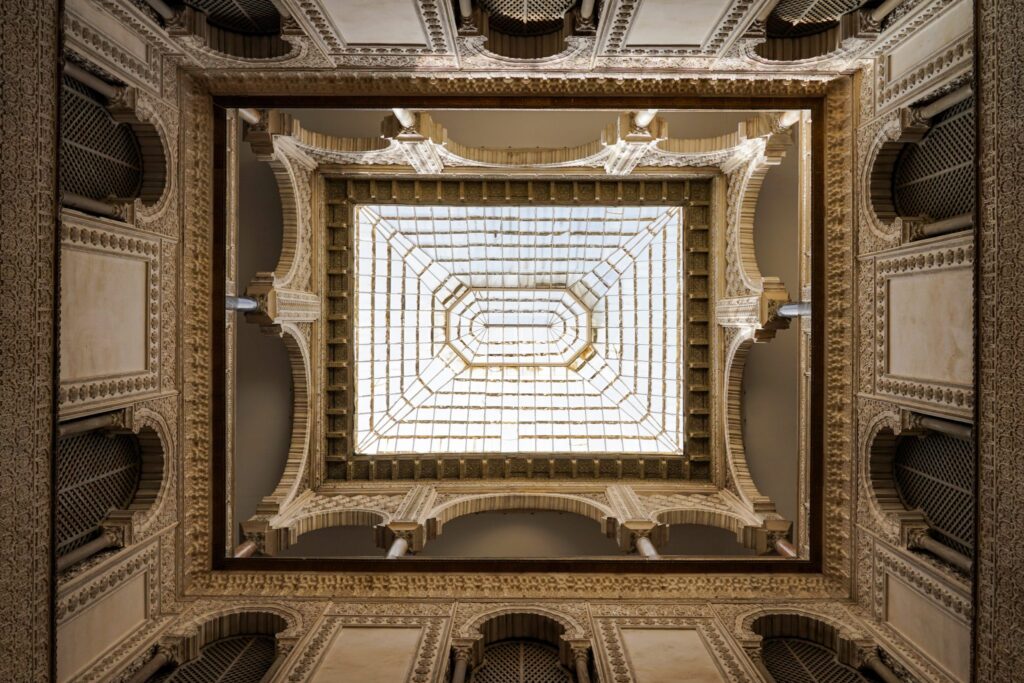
<point>671,22</point>
<point>377,22</point>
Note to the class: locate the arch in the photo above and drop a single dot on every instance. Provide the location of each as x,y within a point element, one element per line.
<point>714,518</point>
<point>736,456</point>
<point>133,115</point>
<point>837,32</point>
<point>296,466</point>
<point>206,29</point>
<point>570,628</point>
<point>497,502</point>
<point>100,158</point>
<point>826,631</point>
<point>877,452</point>
<point>155,136</point>
<point>831,630</point>
<point>933,474</point>
<point>97,474</point>
<point>283,623</point>
<point>894,133</point>
<point>743,276</point>
<point>935,176</point>
<point>332,518</point>
<point>155,491</point>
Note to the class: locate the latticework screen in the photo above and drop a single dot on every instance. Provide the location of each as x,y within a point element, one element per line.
<point>95,474</point>
<point>813,11</point>
<point>935,177</point>
<point>254,17</point>
<point>238,659</point>
<point>520,662</point>
<point>526,17</point>
<point>99,157</point>
<point>792,660</point>
<point>936,474</point>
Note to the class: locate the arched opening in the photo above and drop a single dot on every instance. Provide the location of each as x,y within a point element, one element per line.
<point>249,29</point>
<point>523,648</point>
<point>800,649</point>
<point>336,541</point>
<point>100,159</point>
<point>798,30</point>
<point>97,473</point>
<point>239,659</point>
<point>240,648</point>
<point>520,661</point>
<point>935,473</point>
<point>701,539</point>
<point>103,479</point>
<point>518,533</point>
<point>935,177</point>
<point>108,155</point>
<point>533,29</point>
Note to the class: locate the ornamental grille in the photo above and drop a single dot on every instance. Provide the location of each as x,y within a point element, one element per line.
<point>238,659</point>
<point>936,474</point>
<point>95,474</point>
<point>520,662</point>
<point>935,177</point>
<point>253,17</point>
<point>813,11</point>
<point>526,17</point>
<point>100,158</point>
<point>792,660</point>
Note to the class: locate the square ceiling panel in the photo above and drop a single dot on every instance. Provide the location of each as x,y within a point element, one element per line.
<point>519,330</point>
<point>670,23</point>
<point>377,22</point>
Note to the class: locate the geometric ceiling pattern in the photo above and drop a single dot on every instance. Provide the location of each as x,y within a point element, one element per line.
<point>519,330</point>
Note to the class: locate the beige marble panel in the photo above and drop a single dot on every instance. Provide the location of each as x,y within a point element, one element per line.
<point>931,326</point>
<point>666,655</point>
<point>937,633</point>
<point>921,45</point>
<point>103,309</point>
<point>664,22</point>
<point>83,638</point>
<point>368,655</point>
<point>377,22</point>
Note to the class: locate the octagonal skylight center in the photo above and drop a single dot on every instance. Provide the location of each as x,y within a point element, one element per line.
<point>517,326</point>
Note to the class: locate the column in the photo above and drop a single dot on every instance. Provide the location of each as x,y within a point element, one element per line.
<point>106,539</point>
<point>875,663</point>
<point>240,303</point>
<point>922,540</point>
<point>884,10</point>
<point>581,660</point>
<point>646,548</point>
<point>161,658</point>
<point>957,430</point>
<point>795,309</point>
<point>755,656</point>
<point>246,548</point>
<point>784,548</point>
<point>400,546</point>
<point>461,653</point>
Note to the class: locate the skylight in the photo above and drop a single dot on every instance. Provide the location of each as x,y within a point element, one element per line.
<point>519,330</point>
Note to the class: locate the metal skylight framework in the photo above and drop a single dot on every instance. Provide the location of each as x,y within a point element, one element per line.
<point>519,330</point>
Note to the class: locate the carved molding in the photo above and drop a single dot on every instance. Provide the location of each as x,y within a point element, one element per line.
<point>955,600</point>
<point>1000,559</point>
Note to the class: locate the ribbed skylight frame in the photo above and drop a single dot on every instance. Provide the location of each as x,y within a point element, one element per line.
<point>604,376</point>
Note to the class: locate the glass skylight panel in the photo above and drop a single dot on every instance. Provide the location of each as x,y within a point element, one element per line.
<point>519,330</point>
